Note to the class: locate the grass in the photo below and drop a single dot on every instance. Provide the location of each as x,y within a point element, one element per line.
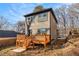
<point>7,51</point>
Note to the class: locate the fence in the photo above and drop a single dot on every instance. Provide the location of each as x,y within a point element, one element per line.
<point>7,41</point>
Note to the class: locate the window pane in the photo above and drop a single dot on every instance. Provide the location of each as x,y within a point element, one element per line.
<point>28,18</point>
<point>32,18</point>
<point>42,17</point>
<point>42,30</point>
<point>44,14</point>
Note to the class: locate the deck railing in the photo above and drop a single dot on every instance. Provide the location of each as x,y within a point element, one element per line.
<point>25,41</point>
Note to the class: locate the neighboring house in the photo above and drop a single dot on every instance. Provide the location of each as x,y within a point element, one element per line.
<point>8,33</point>
<point>43,21</point>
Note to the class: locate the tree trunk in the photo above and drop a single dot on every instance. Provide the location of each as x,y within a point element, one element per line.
<point>28,31</point>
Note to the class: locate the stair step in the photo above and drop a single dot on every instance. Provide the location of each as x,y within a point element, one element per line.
<point>18,50</point>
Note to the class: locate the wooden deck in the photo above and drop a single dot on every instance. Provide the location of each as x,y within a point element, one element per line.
<point>26,41</point>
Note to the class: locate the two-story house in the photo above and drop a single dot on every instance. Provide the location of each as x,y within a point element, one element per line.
<point>43,21</point>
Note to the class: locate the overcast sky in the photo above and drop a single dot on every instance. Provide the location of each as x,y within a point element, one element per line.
<point>15,11</point>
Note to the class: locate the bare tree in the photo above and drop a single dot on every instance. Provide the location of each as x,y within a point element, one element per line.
<point>28,24</point>
<point>4,24</point>
<point>73,12</point>
<point>62,19</point>
<point>38,8</point>
<point>20,27</point>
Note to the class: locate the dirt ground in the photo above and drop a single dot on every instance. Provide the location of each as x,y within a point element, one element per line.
<point>37,52</point>
<point>70,49</point>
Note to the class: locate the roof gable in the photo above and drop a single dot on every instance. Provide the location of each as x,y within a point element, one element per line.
<point>45,10</point>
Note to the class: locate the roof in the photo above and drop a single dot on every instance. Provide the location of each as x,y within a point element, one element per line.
<point>45,10</point>
<point>8,33</point>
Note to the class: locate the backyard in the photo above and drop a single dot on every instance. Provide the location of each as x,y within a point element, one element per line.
<point>69,49</point>
<point>42,24</point>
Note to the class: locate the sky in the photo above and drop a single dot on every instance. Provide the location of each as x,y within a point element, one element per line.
<point>14,12</point>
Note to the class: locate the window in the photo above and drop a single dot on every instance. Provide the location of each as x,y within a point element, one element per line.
<point>42,17</point>
<point>42,30</point>
<point>30,18</point>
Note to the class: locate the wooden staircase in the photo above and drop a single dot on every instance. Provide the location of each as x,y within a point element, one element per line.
<point>25,42</point>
